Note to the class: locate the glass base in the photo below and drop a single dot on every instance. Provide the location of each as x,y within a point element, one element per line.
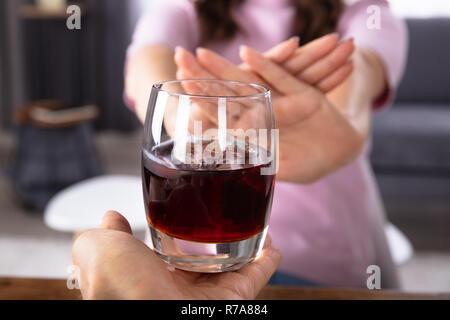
<point>206,257</point>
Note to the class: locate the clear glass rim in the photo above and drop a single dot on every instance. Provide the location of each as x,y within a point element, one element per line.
<point>265,92</point>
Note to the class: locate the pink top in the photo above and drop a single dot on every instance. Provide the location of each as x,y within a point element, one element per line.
<point>329,231</point>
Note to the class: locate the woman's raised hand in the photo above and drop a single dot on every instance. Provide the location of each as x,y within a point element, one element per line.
<point>315,138</point>
<point>323,63</point>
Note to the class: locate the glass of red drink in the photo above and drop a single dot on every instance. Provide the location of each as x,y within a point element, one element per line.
<point>208,172</point>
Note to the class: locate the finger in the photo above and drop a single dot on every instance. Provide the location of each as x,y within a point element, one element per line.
<point>267,242</point>
<point>336,78</point>
<point>223,69</point>
<point>282,51</point>
<point>311,53</point>
<point>248,281</point>
<point>274,74</point>
<point>259,272</point>
<point>206,111</point>
<point>190,87</point>
<point>329,64</point>
<point>191,69</point>
<point>202,111</point>
<point>113,220</point>
<point>189,65</point>
<point>278,54</point>
<point>104,258</point>
<point>82,257</point>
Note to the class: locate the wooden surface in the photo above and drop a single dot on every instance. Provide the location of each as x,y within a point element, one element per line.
<point>299,293</point>
<point>36,289</point>
<point>45,289</point>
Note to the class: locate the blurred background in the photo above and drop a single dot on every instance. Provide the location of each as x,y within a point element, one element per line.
<point>45,68</point>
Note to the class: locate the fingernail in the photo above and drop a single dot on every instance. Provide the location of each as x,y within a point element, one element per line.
<point>296,38</point>
<point>335,35</point>
<point>178,49</point>
<point>199,50</point>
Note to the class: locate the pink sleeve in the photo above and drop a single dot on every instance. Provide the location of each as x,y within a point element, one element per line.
<point>167,22</point>
<point>389,41</point>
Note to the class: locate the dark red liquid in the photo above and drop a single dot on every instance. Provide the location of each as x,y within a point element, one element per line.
<point>205,205</point>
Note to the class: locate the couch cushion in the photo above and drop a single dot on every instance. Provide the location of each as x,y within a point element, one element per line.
<point>413,137</point>
<point>427,76</point>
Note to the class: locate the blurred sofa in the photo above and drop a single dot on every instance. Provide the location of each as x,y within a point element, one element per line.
<point>411,140</point>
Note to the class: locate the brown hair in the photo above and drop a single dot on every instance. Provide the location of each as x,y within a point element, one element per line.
<point>315,18</point>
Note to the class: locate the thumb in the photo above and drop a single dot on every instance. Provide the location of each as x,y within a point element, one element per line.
<point>282,51</point>
<point>113,220</point>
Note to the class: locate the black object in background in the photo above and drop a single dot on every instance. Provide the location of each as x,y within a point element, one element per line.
<point>54,155</point>
<point>80,66</point>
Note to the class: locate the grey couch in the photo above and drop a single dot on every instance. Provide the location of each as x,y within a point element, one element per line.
<point>411,140</point>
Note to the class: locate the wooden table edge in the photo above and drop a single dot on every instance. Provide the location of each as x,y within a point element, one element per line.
<point>56,289</point>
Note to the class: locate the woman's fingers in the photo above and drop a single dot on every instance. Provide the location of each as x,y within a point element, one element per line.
<point>223,69</point>
<point>329,64</point>
<point>274,74</point>
<point>336,78</point>
<point>190,68</point>
<point>219,67</point>
<point>200,110</point>
<point>322,63</point>
<point>188,86</point>
<point>278,54</point>
<point>310,53</point>
<point>203,110</point>
<point>189,65</point>
<point>282,51</point>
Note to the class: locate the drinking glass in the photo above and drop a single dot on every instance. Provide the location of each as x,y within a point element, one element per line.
<point>208,172</point>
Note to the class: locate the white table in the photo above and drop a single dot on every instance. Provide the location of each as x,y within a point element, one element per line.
<point>82,205</point>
